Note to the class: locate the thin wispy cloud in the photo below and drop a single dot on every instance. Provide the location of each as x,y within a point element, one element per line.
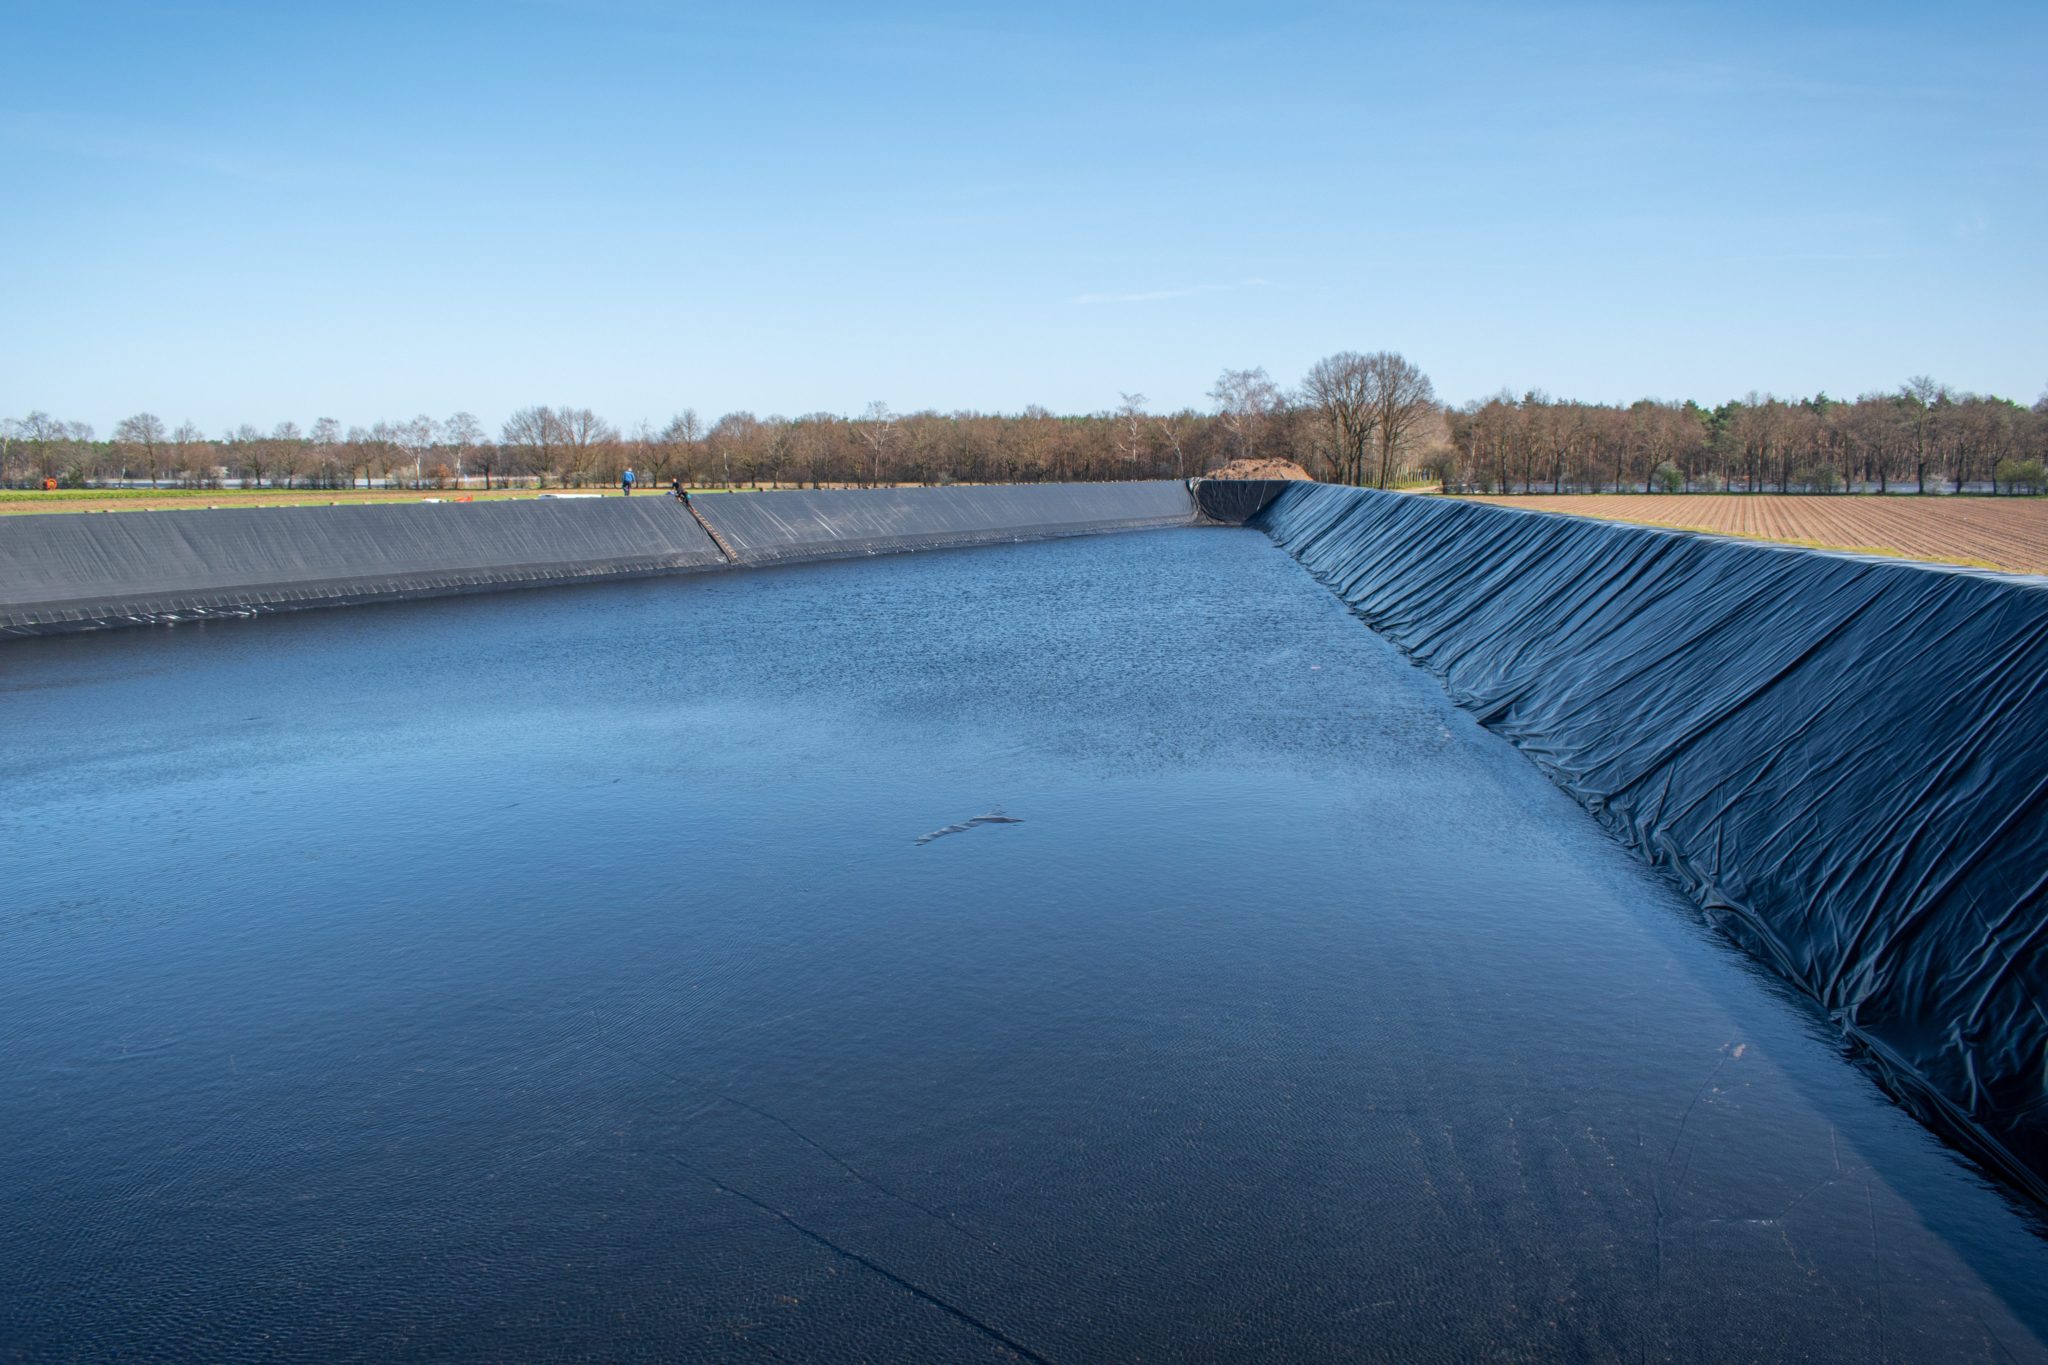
<point>1162,295</point>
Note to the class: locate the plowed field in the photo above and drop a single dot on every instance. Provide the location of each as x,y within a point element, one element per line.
<point>1993,533</point>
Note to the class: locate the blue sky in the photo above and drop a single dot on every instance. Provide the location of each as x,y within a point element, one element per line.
<point>254,212</point>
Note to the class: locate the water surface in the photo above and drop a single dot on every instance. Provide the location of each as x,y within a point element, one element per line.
<point>560,973</point>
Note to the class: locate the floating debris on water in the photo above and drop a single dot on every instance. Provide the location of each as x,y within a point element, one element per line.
<point>995,817</point>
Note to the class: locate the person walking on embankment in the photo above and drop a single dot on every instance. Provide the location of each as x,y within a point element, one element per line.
<point>626,481</point>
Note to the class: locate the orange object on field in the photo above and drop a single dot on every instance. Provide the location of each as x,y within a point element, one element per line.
<point>49,485</point>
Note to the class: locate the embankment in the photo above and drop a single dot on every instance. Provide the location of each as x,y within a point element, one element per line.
<point>1844,760</point>
<point>778,528</point>
<point>64,573</point>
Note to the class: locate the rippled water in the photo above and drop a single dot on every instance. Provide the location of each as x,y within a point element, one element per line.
<point>561,973</point>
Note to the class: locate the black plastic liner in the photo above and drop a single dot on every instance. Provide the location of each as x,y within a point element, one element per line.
<point>834,523</point>
<point>1843,759</point>
<point>82,572</point>
<point>77,571</point>
<point>1233,502</point>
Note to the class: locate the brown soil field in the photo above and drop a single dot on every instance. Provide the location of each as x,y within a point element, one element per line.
<point>2010,534</point>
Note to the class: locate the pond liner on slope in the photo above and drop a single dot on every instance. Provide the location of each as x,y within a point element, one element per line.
<point>1233,502</point>
<point>1844,760</point>
<point>78,572</point>
<point>786,527</point>
<point>82,572</point>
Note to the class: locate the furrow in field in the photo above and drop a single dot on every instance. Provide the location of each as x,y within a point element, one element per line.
<point>2002,533</point>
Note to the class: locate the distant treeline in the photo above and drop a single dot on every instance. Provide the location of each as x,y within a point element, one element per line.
<point>1354,418</point>
<point>1921,437</point>
<point>574,447</point>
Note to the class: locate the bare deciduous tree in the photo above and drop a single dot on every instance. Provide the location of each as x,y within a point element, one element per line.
<point>414,439</point>
<point>1175,428</point>
<point>144,440</point>
<point>683,435</point>
<point>464,436</point>
<point>877,425</point>
<point>323,448</point>
<point>583,436</point>
<point>1919,396</point>
<point>247,455</point>
<point>1244,400</point>
<point>533,435</point>
<point>1399,398</point>
<point>43,435</point>
<point>189,452</point>
<point>1340,388</point>
<point>1131,417</point>
<point>287,451</point>
<point>736,439</point>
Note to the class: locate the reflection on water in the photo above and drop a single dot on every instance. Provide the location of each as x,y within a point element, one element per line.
<point>574,973</point>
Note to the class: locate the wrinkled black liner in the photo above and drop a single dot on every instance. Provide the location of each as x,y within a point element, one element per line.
<point>1844,760</point>
<point>1233,502</point>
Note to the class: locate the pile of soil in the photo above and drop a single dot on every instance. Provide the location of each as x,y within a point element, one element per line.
<point>1260,469</point>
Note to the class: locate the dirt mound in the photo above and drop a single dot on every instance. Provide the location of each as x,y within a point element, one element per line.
<point>1260,469</point>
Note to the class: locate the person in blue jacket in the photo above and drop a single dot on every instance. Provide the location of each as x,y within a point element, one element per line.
<point>626,481</point>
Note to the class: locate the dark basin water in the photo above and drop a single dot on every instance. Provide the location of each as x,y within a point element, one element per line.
<point>561,974</point>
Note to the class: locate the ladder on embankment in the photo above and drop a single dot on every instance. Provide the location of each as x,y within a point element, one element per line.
<point>712,531</point>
